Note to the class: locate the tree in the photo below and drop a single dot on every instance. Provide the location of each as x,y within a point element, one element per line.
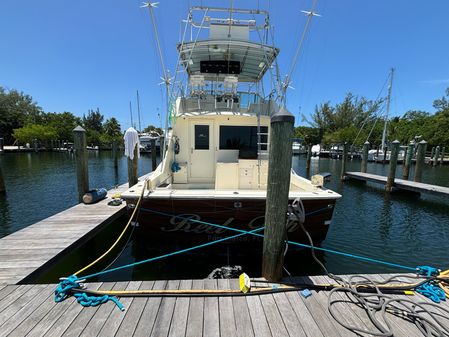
<point>30,132</point>
<point>16,110</point>
<point>93,121</point>
<point>151,128</point>
<point>343,121</point>
<point>112,131</point>
<point>64,123</point>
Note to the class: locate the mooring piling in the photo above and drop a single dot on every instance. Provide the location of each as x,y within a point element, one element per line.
<point>82,172</point>
<point>384,159</point>
<point>280,159</point>
<point>2,144</point>
<point>153,154</point>
<point>393,163</point>
<point>115,153</point>
<point>408,160</point>
<point>365,157</point>
<point>420,158</point>
<point>309,156</point>
<point>437,156</point>
<point>343,161</point>
<point>432,153</point>
<point>442,155</point>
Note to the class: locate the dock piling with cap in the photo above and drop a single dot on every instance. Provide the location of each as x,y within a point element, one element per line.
<point>365,157</point>
<point>408,160</point>
<point>393,163</point>
<point>280,157</point>
<point>420,157</point>
<point>81,159</point>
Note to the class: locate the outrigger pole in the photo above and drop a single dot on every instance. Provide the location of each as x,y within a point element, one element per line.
<point>285,85</point>
<point>166,78</point>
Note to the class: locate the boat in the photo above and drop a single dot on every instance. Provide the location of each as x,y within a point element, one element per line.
<point>214,167</point>
<point>297,147</point>
<point>145,140</point>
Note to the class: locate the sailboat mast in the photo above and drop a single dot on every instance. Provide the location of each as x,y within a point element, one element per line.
<point>384,134</point>
<point>131,113</point>
<point>138,111</point>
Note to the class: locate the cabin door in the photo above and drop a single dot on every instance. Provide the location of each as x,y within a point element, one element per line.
<point>202,150</point>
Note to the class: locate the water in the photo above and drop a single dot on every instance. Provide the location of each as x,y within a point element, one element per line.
<point>42,184</point>
<point>400,227</point>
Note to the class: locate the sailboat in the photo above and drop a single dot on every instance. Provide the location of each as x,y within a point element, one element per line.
<point>214,165</point>
<point>378,155</point>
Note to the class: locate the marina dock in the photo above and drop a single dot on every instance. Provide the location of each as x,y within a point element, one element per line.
<point>28,251</point>
<point>400,183</point>
<point>30,310</point>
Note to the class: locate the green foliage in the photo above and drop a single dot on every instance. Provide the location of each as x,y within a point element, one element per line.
<point>151,128</point>
<point>343,121</point>
<point>30,132</point>
<point>16,110</point>
<point>64,123</point>
<point>112,132</point>
<point>93,121</point>
<point>308,134</point>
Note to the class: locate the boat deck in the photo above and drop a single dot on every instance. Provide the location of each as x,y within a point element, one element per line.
<point>28,251</point>
<point>29,310</point>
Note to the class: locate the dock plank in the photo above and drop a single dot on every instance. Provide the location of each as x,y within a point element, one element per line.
<point>134,312</point>
<point>243,324</point>
<point>226,311</point>
<point>211,324</point>
<point>195,316</point>
<point>165,313</point>
<point>181,312</point>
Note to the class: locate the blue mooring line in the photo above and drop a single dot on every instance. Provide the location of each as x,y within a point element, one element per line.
<point>169,254</point>
<point>289,242</point>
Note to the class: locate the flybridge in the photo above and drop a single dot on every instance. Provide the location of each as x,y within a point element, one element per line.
<point>228,49</point>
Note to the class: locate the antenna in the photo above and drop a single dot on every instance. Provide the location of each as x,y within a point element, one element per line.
<point>131,113</point>
<point>138,111</point>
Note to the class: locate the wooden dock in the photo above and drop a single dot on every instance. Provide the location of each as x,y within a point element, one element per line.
<point>400,183</point>
<point>28,251</point>
<point>29,310</point>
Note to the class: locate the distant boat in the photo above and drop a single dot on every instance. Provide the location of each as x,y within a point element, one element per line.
<point>374,156</point>
<point>297,147</point>
<point>145,141</point>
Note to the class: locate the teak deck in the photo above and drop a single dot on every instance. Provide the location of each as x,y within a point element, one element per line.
<point>29,310</point>
<point>24,252</point>
<point>400,183</point>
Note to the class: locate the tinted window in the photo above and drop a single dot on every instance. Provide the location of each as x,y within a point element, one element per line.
<point>201,137</point>
<point>241,137</point>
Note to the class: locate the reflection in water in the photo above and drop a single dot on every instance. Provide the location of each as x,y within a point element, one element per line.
<point>385,218</point>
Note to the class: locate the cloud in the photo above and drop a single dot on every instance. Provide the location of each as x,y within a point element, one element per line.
<point>436,81</point>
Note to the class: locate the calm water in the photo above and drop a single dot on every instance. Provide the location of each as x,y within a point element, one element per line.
<point>400,227</point>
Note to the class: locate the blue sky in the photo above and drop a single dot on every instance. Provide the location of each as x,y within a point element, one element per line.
<point>80,55</point>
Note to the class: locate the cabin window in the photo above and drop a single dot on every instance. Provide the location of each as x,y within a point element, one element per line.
<point>242,137</point>
<point>201,137</point>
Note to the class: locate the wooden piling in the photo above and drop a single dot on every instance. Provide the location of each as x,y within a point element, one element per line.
<point>384,159</point>
<point>82,172</point>
<point>132,168</point>
<point>115,153</point>
<point>153,154</point>
<point>365,157</point>
<point>344,158</point>
<point>442,155</point>
<point>393,163</point>
<point>437,156</point>
<point>432,153</point>
<point>280,159</point>
<point>408,161</point>
<point>35,145</point>
<point>2,180</point>
<point>309,156</point>
<point>420,158</point>
<point>2,144</point>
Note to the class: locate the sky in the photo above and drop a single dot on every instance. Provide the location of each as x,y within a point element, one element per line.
<point>80,55</point>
